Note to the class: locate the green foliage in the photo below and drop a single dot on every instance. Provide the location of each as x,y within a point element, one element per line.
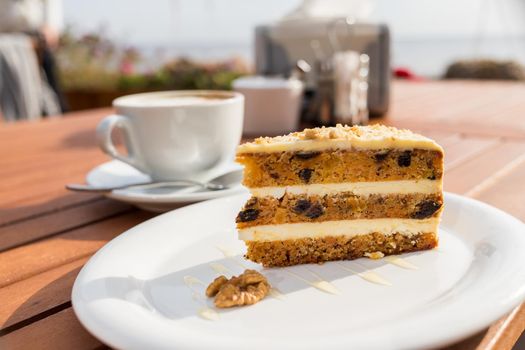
<point>182,75</point>
<point>93,63</point>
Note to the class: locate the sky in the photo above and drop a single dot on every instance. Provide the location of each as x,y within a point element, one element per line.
<point>168,22</point>
<point>190,21</point>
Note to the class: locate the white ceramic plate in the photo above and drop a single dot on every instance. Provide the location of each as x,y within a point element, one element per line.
<point>115,173</point>
<point>132,293</point>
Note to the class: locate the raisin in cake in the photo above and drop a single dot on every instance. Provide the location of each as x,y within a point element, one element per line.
<point>340,193</point>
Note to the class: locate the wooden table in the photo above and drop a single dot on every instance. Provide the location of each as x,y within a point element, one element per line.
<point>47,233</point>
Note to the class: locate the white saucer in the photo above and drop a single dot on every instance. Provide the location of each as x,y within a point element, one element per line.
<point>132,293</point>
<point>115,173</point>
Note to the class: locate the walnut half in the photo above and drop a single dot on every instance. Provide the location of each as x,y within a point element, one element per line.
<point>215,286</point>
<point>245,289</point>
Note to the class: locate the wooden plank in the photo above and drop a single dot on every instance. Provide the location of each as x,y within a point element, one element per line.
<point>42,204</point>
<point>61,331</point>
<point>63,160</point>
<point>476,108</point>
<point>476,170</point>
<point>34,184</point>
<point>42,180</point>
<point>64,131</point>
<point>26,179</point>
<point>49,149</point>
<point>466,148</point>
<point>468,104</point>
<point>50,124</point>
<point>503,334</point>
<point>425,107</point>
<point>50,141</point>
<point>59,221</point>
<point>33,296</point>
<point>505,190</point>
<point>501,130</point>
<point>497,112</point>
<point>23,262</point>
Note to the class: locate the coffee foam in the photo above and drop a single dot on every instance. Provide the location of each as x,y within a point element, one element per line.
<point>173,99</point>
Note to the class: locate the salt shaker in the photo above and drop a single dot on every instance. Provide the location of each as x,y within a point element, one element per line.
<point>350,74</point>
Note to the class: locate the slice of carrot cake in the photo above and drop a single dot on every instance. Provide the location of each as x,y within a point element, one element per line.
<point>340,193</point>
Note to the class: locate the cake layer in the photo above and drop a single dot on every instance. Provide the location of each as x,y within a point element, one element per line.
<point>318,250</point>
<point>357,188</point>
<point>341,137</point>
<point>339,166</point>
<point>292,208</point>
<point>347,228</point>
<point>339,193</point>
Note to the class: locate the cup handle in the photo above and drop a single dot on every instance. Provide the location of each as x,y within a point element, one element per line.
<point>104,129</point>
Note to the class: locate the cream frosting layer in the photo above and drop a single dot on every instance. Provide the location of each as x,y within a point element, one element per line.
<point>314,145</point>
<point>358,188</point>
<point>407,227</point>
<point>341,137</point>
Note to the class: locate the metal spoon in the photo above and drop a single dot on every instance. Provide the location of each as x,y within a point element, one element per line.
<point>218,183</point>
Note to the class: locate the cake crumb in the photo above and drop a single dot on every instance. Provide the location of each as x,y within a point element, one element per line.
<point>245,289</point>
<point>375,255</point>
<point>310,134</point>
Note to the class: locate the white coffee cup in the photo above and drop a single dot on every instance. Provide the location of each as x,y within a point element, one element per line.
<point>176,134</point>
<point>272,104</point>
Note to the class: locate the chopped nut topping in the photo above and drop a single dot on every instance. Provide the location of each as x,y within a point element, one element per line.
<point>310,134</point>
<point>375,255</point>
<point>245,289</point>
<point>348,135</point>
<point>332,134</point>
<point>338,132</point>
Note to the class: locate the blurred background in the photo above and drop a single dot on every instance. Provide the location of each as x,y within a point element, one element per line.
<point>89,52</point>
<point>427,35</point>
